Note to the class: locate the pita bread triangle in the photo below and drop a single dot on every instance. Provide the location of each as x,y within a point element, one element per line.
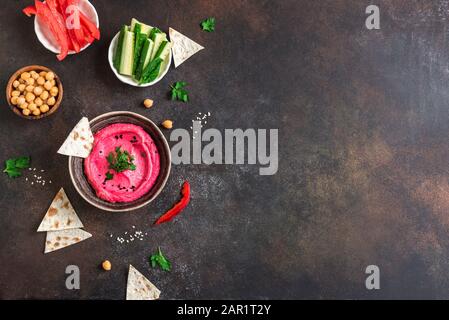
<point>139,287</point>
<point>60,215</point>
<point>79,142</point>
<point>183,47</point>
<point>63,238</point>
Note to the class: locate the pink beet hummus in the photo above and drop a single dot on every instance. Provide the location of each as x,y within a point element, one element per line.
<point>128,185</point>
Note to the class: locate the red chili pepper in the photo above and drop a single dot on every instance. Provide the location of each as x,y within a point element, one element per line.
<point>45,14</point>
<point>93,30</point>
<point>178,207</point>
<point>29,11</point>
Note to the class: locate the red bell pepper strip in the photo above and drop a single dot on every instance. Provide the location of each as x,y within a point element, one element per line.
<point>178,207</point>
<point>93,30</point>
<point>29,11</point>
<point>62,7</point>
<point>53,6</point>
<point>77,30</point>
<point>88,37</point>
<point>44,13</point>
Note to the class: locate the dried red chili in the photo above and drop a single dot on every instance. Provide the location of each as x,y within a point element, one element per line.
<point>178,207</point>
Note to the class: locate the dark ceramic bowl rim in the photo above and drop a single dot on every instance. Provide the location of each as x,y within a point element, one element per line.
<point>105,116</point>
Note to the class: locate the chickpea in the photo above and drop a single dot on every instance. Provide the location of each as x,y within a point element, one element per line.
<point>53,82</point>
<point>34,75</point>
<point>22,87</point>
<point>14,100</point>
<point>106,265</point>
<point>44,96</point>
<point>44,108</point>
<point>43,74</point>
<point>15,93</point>
<point>16,83</point>
<point>21,81</point>
<point>50,76</point>
<point>29,88</point>
<point>148,103</point>
<point>38,102</point>
<point>40,81</point>
<point>51,101</point>
<point>167,124</point>
<point>36,112</point>
<point>30,81</point>
<point>54,91</point>
<point>48,85</point>
<point>30,97</point>
<point>25,76</point>
<point>32,106</point>
<point>38,91</point>
<point>26,112</point>
<point>20,100</point>
<point>24,105</point>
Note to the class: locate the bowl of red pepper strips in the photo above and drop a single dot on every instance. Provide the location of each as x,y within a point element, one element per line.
<point>64,26</point>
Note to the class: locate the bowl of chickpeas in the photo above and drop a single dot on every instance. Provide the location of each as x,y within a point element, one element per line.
<point>34,92</point>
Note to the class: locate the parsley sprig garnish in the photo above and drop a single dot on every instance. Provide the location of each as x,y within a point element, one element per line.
<point>120,160</point>
<point>14,166</point>
<point>109,176</point>
<point>208,24</point>
<point>159,259</point>
<point>178,92</point>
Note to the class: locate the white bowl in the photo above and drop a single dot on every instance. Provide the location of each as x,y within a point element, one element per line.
<point>46,37</point>
<point>130,80</point>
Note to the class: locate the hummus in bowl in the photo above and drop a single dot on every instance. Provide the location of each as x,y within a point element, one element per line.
<point>127,185</point>
<point>128,166</point>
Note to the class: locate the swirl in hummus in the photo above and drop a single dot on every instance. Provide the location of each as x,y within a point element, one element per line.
<point>128,185</point>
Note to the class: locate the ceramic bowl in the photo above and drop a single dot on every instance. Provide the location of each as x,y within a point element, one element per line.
<point>45,36</point>
<point>130,80</point>
<point>76,165</point>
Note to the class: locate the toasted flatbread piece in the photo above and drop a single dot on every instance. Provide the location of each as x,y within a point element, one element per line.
<point>60,215</point>
<point>183,47</point>
<point>79,142</point>
<point>139,287</point>
<point>63,238</point>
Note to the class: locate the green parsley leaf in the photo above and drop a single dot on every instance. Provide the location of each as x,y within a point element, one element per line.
<point>109,176</point>
<point>120,160</point>
<point>178,92</point>
<point>208,24</point>
<point>14,166</point>
<point>159,259</point>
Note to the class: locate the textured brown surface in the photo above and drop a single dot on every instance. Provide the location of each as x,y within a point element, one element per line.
<point>363,177</point>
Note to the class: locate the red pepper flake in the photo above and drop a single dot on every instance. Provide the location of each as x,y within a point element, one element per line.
<point>178,207</point>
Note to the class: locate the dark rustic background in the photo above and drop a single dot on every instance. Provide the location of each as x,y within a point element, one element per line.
<point>363,178</point>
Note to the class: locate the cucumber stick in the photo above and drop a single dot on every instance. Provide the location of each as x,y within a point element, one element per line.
<point>151,71</point>
<point>127,58</point>
<point>158,39</point>
<point>139,39</point>
<point>144,27</point>
<point>144,58</point>
<point>163,51</point>
<point>119,47</point>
